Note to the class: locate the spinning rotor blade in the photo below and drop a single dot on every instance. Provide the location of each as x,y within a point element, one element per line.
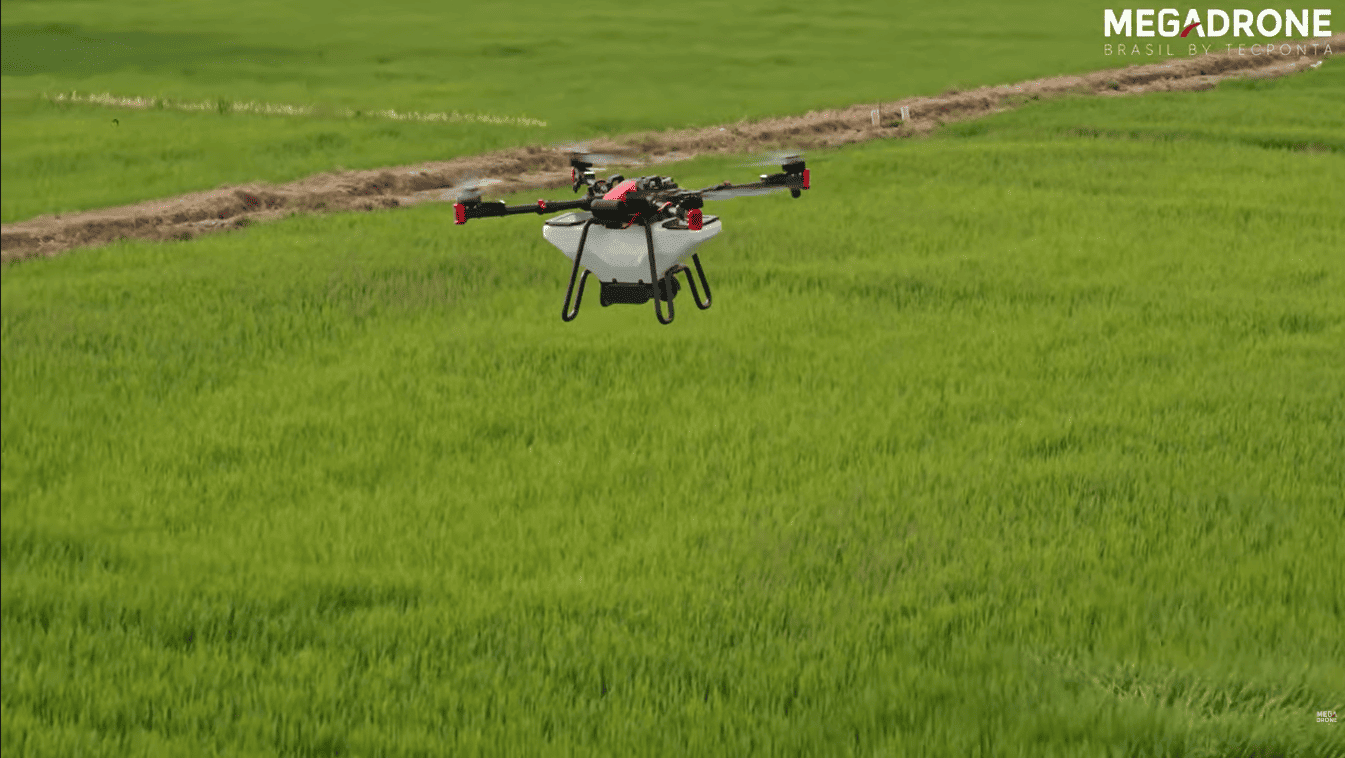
<point>571,147</point>
<point>583,152</point>
<point>468,190</point>
<point>728,193</point>
<point>603,160</point>
<point>775,158</point>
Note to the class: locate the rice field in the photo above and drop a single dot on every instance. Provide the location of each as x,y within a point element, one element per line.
<point>599,68</point>
<point>1021,440</point>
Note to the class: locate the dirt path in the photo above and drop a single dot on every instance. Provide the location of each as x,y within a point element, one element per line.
<point>538,167</point>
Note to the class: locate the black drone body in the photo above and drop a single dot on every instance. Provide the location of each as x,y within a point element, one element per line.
<point>637,233</point>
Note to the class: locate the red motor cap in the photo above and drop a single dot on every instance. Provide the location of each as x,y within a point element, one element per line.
<point>694,222</point>
<point>541,204</point>
<point>459,213</point>
<point>806,178</point>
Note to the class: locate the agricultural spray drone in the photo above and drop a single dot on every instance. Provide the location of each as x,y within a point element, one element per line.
<point>624,231</point>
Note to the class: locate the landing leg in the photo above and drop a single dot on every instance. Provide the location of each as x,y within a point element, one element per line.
<point>653,282</point>
<point>565,313</point>
<point>701,272</point>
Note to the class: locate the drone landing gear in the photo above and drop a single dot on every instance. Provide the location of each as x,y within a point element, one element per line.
<point>656,286</point>
<point>666,288</point>
<point>703,305</point>
<point>565,313</point>
<point>612,293</point>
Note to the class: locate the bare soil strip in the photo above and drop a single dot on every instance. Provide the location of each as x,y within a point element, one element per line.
<point>537,167</point>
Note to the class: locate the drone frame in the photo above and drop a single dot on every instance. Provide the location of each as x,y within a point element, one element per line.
<point>619,203</point>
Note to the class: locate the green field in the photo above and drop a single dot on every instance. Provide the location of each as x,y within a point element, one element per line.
<point>1021,440</point>
<point>596,68</point>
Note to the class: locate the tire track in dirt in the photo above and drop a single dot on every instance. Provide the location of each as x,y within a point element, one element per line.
<point>198,213</point>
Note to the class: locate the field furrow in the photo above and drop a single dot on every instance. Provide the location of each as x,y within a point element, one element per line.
<point>540,167</point>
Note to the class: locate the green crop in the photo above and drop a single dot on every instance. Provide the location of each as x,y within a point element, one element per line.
<point>1025,442</point>
<point>594,69</point>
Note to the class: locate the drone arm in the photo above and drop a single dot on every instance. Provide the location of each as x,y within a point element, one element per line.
<point>464,211</point>
<point>794,181</point>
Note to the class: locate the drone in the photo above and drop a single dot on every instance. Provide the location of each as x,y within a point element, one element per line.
<point>633,235</point>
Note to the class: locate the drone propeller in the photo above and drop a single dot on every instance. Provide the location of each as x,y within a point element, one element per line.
<point>468,190</point>
<point>582,151</point>
<point>572,147</point>
<point>775,158</point>
<point>728,193</point>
